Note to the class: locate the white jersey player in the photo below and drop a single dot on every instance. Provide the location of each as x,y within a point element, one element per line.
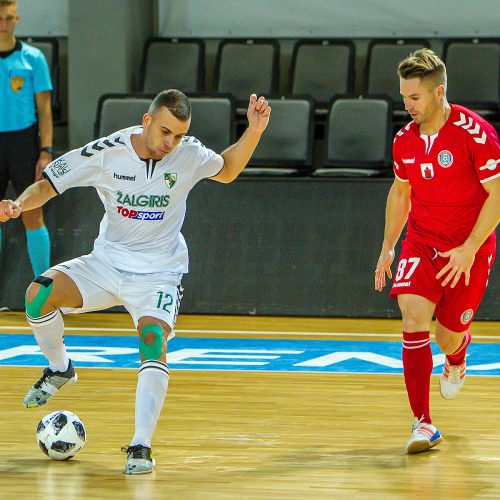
<point>144,198</point>
<point>143,175</point>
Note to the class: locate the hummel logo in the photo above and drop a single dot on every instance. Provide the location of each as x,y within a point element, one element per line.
<point>467,124</point>
<point>408,160</point>
<point>490,165</point>
<point>87,150</point>
<point>124,177</point>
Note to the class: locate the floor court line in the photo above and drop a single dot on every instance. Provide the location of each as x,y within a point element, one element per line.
<point>242,332</point>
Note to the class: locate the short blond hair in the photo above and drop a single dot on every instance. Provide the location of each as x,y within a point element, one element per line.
<point>7,3</point>
<point>424,64</point>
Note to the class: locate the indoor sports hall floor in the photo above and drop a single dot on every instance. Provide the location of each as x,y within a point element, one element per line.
<point>257,408</point>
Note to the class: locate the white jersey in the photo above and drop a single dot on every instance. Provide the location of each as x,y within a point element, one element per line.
<point>144,200</point>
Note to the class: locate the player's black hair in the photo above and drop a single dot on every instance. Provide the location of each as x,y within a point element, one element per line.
<point>175,101</point>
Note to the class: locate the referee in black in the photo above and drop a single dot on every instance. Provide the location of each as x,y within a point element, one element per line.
<point>25,127</point>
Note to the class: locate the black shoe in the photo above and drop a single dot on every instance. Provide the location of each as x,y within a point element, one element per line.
<point>49,383</point>
<point>139,459</point>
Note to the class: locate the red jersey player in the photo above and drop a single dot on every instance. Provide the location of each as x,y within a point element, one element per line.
<point>447,184</point>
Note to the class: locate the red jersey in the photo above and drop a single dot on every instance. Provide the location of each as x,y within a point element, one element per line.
<point>446,172</point>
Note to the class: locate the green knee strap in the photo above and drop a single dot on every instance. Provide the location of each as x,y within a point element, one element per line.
<point>153,350</point>
<point>33,308</point>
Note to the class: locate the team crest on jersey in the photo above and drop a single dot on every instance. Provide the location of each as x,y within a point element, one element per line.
<point>170,179</point>
<point>427,170</point>
<point>466,316</point>
<point>16,84</point>
<point>445,159</point>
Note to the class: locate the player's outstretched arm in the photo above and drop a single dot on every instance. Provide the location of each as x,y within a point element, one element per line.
<point>237,155</point>
<point>396,213</point>
<point>32,197</point>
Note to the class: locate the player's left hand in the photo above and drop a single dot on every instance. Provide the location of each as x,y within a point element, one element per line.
<point>461,260</point>
<point>42,162</point>
<point>384,267</point>
<point>258,113</point>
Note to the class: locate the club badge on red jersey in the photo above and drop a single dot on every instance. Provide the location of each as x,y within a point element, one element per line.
<point>427,171</point>
<point>445,158</point>
<point>466,316</point>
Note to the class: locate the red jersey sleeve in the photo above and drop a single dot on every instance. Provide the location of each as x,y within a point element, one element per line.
<point>398,165</point>
<point>484,147</point>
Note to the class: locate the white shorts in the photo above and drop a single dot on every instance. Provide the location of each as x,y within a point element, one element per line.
<point>102,286</point>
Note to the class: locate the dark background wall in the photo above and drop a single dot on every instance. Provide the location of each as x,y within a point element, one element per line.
<point>298,246</point>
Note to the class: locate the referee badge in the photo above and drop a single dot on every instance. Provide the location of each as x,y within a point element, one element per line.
<point>170,179</point>
<point>16,84</point>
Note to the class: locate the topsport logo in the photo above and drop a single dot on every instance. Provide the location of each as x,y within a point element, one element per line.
<point>130,213</point>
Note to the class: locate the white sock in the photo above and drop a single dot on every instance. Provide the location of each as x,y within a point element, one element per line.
<point>150,394</point>
<point>49,335</point>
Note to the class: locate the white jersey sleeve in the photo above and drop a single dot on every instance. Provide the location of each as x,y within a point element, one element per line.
<point>208,162</point>
<point>79,167</point>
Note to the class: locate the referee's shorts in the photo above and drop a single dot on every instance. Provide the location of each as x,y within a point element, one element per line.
<point>19,152</point>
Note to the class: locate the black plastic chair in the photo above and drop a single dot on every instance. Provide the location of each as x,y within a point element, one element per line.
<point>173,63</point>
<point>247,66</point>
<point>322,69</point>
<point>358,137</point>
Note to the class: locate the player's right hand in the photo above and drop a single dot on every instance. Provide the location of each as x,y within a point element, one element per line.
<point>9,210</point>
<point>383,268</point>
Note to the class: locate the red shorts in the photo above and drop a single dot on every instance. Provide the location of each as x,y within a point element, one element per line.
<point>416,274</point>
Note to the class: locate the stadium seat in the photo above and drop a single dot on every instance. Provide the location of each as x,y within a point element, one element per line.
<point>473,72</point>
<point>117,111</point>
<point>50,48</point>
<point>247,66</point>
<point>286,146</point>
<point>212,120</point>
<point>172,63</point>
<point>322,69</point>
<point>358,137</point>
<point>382,63</point>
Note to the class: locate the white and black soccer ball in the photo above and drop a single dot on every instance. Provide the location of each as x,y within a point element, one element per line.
<point>61,435</point>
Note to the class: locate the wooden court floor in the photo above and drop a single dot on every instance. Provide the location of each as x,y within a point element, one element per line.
<point>251,435</point>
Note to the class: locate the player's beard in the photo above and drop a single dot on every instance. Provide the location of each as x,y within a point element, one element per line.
<point>160,153</point>
<point>154,153</point>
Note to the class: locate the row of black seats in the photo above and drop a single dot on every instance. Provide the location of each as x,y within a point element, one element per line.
<point>357,137</point>
<point>319,68</point>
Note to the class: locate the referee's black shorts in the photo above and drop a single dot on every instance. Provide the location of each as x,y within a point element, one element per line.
<point>19,152</point>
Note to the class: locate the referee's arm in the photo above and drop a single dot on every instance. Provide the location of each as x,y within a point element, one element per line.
<point>45,127</point>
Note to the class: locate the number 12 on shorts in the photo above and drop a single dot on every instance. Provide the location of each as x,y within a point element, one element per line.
<point>414,261</point>
<point>164,301</point>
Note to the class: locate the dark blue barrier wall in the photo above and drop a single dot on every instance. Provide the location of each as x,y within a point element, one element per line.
<point>298,246</point>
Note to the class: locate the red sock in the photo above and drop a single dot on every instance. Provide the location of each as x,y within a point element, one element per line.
<point>458,357</point>
<point>417,366</point>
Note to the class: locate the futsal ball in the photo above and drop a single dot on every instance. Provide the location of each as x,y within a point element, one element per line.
<point>61,435</point>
